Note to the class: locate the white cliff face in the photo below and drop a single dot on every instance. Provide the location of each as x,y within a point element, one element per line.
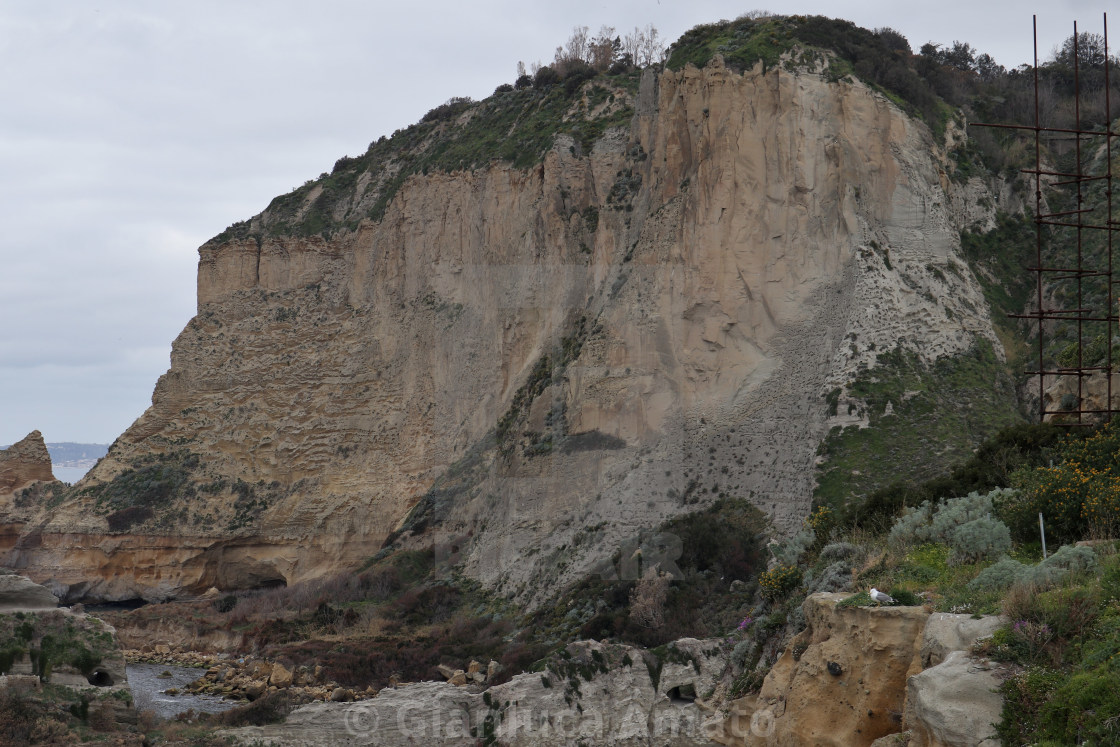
<point>742,249</point>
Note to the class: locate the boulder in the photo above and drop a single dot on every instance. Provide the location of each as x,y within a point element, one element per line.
<point>955,703</point>
<point>280,676</point>
<point>459,678</point>
<point>947,632</point>
<point>341,695</point>
<point>474,667</point>
<point>446,671</point>
<point>21,593</point>
<point>492,669</point>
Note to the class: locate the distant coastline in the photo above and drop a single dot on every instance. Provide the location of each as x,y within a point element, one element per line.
<point>71,461</point>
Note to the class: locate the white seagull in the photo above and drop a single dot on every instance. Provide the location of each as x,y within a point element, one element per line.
<point>880,597</point>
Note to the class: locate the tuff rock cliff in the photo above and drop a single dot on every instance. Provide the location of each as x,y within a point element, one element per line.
<point>531,365</point>
<point>24,464</point>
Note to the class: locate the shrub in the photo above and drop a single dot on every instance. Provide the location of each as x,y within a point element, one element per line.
<point>724,538</point>
<point>1005,572</point>
<point>271,708</point>
<point>979,538</point>
<point>965,524</point>
<point>841,551</point>
<point>647,600</point>
<point>790,551</point>
<point>779,581</point>
<point>1073,559</point>
<point>226,603</point>
<point>1023,699</point>
<point>999,575</point>
<point>835,577</point>
<point>126,518</point>
<point>545,78</point>
<point>1079,496</point>
<point>453,107</point>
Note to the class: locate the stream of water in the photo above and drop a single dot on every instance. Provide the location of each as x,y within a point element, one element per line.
<point>147,687</point>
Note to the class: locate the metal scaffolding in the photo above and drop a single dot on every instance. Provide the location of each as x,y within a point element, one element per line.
<point>1094,286</point>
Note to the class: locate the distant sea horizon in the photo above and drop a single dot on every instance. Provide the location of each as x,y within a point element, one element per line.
<point>70,474</point>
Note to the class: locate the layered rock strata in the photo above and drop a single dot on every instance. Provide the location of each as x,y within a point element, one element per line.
<point>23,464</point>
<point>537,364</point>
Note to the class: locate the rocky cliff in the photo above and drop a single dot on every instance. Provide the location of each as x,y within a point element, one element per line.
<point>882,676</point>
<point>23,464</point>
<point>533,364</point>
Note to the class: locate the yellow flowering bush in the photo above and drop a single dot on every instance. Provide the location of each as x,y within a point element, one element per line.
<point>1078,497</point>
<point>779,581</point>
<point>820,521</point>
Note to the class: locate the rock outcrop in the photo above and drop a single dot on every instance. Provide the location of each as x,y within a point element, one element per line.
<point>842,681</point>
<point>858,675</point>
<point>533,365</point>
<point>24,464</point>
<point>59,645</point>
<point>955,703</point>
<point>595,693</point>
<point>21,593</point>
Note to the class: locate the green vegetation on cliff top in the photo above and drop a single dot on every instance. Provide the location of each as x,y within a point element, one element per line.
<point>518,125</point>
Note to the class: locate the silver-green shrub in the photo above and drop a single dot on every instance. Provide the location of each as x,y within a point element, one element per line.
<point>834,551</point>
<point>1005,571</point>
<point>834,577</point>
<point>944,523</point>
<point>1068,559</point>
<point>999,575</point>
<point>978,539</point>
<point>790,551</point>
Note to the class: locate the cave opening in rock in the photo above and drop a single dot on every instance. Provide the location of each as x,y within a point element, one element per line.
<point>100,678</point>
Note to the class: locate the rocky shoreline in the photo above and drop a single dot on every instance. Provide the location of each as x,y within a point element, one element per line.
<point>248,678</point>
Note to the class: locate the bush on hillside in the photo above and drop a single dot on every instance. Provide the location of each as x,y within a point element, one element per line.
<point>978,539</point>
<point>1006,572</point>
<point>1078,497</point>
<point>841,551</point>
<point>965,524</point>
<point>779,581</point>
<point>836,576</point>
<point>999,575</point>
<point>1012,449</point>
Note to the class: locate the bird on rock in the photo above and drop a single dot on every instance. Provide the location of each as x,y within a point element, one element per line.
<point>881,598</point>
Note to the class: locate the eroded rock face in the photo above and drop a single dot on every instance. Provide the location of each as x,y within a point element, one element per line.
<point>861,699</point>
<point>875,676</point>
<point>955,704</point>
<point>21,593</point>
<point>570,703</point>
<point>946,632</point>
<point>756,238</point>
<point>24,463</point>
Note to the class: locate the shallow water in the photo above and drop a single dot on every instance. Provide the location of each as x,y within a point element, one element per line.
<point>147,690</point>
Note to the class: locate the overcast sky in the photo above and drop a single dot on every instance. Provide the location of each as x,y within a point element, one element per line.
<point>131,132</point>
